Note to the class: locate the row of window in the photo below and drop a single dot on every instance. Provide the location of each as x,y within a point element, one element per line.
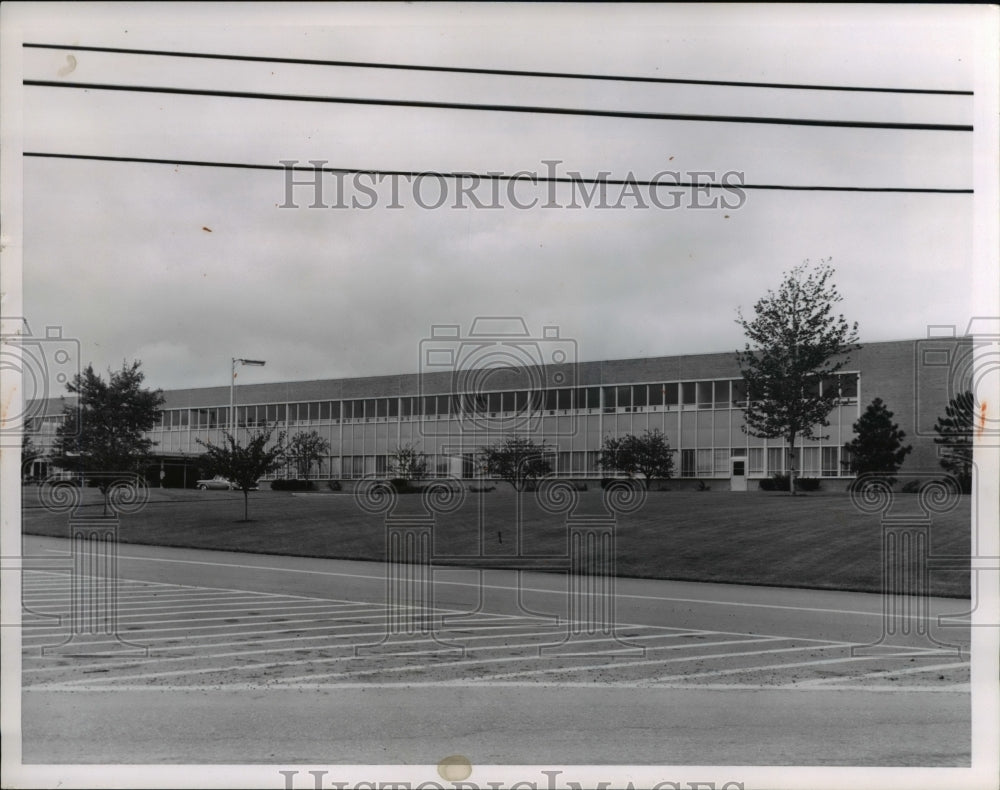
<point>811,462</point>
<point>723,394</point>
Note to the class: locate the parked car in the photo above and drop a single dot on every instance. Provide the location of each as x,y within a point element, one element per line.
<point>220,482</point>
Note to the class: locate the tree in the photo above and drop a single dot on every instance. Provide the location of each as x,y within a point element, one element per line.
<point>245,464</point>
<point>954,436</point>
<point>407,463</point>
<point>649,455</point>
<point>517,460</point>
<point>105,431</point>
<point>28,454</point>
<point>306,449</point>
<point>878,447</point>
<point>795,344</point>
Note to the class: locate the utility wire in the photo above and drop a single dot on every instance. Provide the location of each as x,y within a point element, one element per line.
<point>499,72</point>
<point>439,105</point>
<point>490,176</point>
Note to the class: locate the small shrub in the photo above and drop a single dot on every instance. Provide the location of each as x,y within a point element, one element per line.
<point>333,485</point>
<point>291,485</point>
<point>779,482</point>
<point>702,486</point>
<point>579,485</point>
<point>606,481</point>
<point>481,489</point>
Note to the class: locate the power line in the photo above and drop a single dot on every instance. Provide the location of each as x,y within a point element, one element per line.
<point>439,105</point>
<point>497,72</point>
<point>489,176</point>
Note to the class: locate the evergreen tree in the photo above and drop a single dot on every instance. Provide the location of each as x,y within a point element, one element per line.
<point>878,446</point>
<point>954,437</point>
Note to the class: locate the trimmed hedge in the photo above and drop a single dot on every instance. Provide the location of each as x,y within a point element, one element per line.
<point>292,485</point>
<point>778,482</point>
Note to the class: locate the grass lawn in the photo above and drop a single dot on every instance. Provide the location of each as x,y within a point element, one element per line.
<point>816,540</point>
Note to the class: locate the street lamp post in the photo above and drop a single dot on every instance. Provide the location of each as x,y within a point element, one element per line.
<point>232,390</point>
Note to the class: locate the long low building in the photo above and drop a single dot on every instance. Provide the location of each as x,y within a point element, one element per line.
<point>449,410</point>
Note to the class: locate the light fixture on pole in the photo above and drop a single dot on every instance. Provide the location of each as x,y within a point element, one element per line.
<point>232,390</point>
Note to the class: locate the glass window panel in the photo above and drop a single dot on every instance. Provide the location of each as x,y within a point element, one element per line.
<point>639,395</point>
<point>704,462</point>
<point>565,398</point>
<point>755,461</point>
<point>812,387</point>
<point>494,401</point>
<point>721,459</point>
<point>688,393</point>
<point>831,466</point>
<point>405,407</point>
<point>739,393</point>
<point>280,412</point>
<point>393,407</point>
<point>382,407</point>
<point>183,416</point>
<point>721,394</point>
<point>704,393</point>
<point>444,404</point>
<point>810,461</point>
<point>551,399</point>
<point>670,392</point>
<point>775,460</point>
<point>849,385</point>
<point>610,398</point>
<point>624,395</point>
<point>430,405</point>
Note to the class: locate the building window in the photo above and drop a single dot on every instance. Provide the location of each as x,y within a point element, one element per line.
<point>670,394</point>
<point>688,397</point>
<point>810,461</point>
<point>610,400</point>
<point>776,460</point>
<point>722,394</point>
<point>704,391</point>
<point>849,387</point>
<point>755,461</point>
<point>831,462</point>
<point>739,393</point>
<point>721,458</point>
<point>639,395</point>
<point>704,463</point>
<point>687,463</point>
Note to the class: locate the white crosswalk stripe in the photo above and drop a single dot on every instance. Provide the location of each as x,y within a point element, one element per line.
<point>200,637</point>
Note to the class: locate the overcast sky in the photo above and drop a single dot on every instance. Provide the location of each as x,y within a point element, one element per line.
<point>185,267</point>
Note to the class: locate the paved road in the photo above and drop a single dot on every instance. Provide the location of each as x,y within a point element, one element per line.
<point>229,658</point>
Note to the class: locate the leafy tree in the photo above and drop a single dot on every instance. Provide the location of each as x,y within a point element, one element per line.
<point>954,436</point>
<point>517,460</point>
<point>407,463</point>
<point>105,431</point>
<point>306,449</point>
<point>649,455</point>
<point>245,464</point>
<point>28,454</point>
<point>795,342</point>
<point>878,447</point>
